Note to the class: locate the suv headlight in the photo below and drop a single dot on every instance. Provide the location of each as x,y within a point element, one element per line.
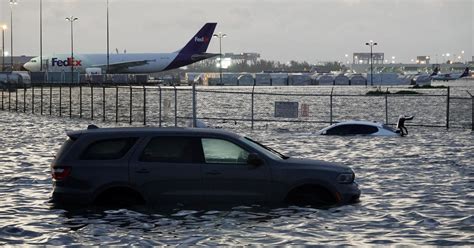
<point>346,178</point>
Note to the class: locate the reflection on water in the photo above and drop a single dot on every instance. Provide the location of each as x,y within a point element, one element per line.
<point>415,190</point>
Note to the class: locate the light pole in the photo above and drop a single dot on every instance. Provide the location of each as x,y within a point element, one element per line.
<point>107,68</point>
<point>371,44</point>
<point>41,34</point>
<point>220,36</point>
<point>71,19</point>
<point>12,2</point>
<point>4,27</point>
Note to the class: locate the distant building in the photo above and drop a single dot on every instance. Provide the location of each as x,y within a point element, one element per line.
<point>364,58</point>
<point>248,58</point>
<point>422,60</point>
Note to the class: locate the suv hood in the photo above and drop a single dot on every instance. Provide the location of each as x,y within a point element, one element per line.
<point>318,164</point>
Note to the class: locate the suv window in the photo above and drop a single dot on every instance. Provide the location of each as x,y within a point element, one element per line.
<point>172,149</point>
<point>108,149</point>
<point>223,152</point>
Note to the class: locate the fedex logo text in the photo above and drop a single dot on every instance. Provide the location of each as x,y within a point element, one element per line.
<point>68,62</point>
<point>201,39</point>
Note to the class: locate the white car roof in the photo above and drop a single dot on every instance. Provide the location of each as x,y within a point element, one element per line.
<point>368,123</point>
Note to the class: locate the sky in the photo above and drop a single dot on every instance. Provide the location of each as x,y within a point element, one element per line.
<point>282,30</point>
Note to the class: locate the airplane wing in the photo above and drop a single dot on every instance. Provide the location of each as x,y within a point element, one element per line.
<point>202,56</point>
<point>118,66</point>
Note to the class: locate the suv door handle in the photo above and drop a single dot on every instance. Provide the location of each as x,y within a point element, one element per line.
<point>142,171</point>
<point>213,173</point>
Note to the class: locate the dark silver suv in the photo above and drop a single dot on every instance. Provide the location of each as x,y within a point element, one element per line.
<point>183,165</point>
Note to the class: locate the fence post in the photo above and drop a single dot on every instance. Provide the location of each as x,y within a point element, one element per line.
<point>41,98</point>
<point>175,106</point>
<point>194,105</point>
<point>70,100</point>
<point>386,109</point>
<point>60,98</point>
<point>144,104</point>
<point>159,105</point>
<point>447,109</point>
<point>103,102</point>
<point>472,109</point>
<point>24,97</point>
<point>9,96</point>
<point>92,101</point>
<point>131,104</point>
<point>80,100</point>
<point>16,98</point>
<point>50,98</point>
<point>32,98</point>
<point>330,106</point>
<point>116,103</point>
<point>252,104</point>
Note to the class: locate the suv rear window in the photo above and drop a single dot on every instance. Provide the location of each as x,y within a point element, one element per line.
<point>108,149</point>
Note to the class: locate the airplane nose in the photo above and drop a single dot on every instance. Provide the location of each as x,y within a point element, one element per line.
<point>27,66</point>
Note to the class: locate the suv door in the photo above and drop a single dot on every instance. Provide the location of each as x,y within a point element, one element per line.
<point>226,175</point>
<point>167,169</point>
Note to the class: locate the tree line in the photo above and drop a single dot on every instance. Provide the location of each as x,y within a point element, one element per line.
<point>262,65</point>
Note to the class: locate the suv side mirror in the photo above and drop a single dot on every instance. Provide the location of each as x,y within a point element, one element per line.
<point>254,159</point>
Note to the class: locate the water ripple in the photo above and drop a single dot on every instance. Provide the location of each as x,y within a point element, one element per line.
<point>417,190</point>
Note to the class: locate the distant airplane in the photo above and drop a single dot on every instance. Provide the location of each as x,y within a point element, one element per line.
<point>450,76</point>
<point>195,50</point>
<point>425,78</point>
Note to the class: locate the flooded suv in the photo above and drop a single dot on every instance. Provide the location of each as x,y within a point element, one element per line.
<point>184,165</point>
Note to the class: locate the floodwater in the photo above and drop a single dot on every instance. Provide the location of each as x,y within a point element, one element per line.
<point>416,190</point>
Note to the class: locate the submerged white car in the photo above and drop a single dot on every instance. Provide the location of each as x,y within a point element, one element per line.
<point>359,128</point>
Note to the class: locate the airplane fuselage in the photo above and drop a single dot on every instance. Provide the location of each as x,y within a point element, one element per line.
<point>446,77</point>
<point>62,62</point>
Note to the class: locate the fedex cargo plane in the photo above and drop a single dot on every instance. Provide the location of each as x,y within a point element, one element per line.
<point>195,50</point>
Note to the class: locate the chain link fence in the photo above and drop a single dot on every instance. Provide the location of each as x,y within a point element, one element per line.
<point>241,107</point>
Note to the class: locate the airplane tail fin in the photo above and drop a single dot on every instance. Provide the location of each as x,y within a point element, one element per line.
<point>435,71</point>
<point>466,72</point>
<point>200,41</point>
<point>196,48</point>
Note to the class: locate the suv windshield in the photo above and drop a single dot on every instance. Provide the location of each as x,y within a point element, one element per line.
<point>263,148</point>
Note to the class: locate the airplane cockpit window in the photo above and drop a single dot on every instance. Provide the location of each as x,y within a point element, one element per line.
<point>33,60</point>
